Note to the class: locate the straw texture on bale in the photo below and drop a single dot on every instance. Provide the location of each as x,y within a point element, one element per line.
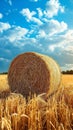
<point>33,73</point>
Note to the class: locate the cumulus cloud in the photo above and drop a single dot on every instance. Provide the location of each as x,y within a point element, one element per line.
<point>4,26</point>
<point>1,15</point>
<point>45,35</point>
<point>52,8</point>
<point>69,35</point>
<point>63,42</point>
<point>57,27</point>
<point>52,27</point>
<point>67,67</point>
<point>40,12</point>
<point>30,16</point>
<point>39,16</point>
<point>26,12</point>
<point>60,47</point>
<point>16,33</point>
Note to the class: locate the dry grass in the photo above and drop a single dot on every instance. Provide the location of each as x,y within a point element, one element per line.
<point>3,82</point>
<point>4,87</point>
<point>55,113</point>
<point>37,114</point>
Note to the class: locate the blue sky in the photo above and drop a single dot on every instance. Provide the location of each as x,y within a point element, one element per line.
<point>44,26</point>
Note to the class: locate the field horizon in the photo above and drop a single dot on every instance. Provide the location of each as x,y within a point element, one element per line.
<point>67,79</point>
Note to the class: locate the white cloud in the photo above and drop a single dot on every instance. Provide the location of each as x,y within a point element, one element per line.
<point>52,27</point>
<point>39,16</point>
<point>59,46</point>
<point>30,16</point>
<point>4,26</point>
<point>69,35</point>
<point>57,27</point>
<point>40,13</point>
<point>51,48</point>
<point>67,67</point>
<point>17,33</point>
<point>63,42</point>
<point>52,8</point>
<point>41,34</point>
<point>1,15</point>
<point>52,37</point>
<point>26,12</point>
<point>34,0</point>
<point>36,20</point>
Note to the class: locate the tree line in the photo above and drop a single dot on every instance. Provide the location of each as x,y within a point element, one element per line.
<point>4,73</point>
<point>63,72</point>
<point>67,72</point>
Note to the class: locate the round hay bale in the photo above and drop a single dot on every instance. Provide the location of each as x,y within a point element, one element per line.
<point>33,73</point>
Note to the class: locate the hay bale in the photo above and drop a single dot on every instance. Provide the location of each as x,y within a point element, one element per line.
<point>35,73</point>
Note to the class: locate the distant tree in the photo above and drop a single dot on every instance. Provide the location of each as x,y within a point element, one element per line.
<point>67,72</point>
<point>4,73</point>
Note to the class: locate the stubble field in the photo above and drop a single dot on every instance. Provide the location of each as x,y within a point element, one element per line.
<point>55,113</point>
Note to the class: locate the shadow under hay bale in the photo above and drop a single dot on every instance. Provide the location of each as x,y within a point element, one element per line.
<point>33,73</point>
<point>4,93</point>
